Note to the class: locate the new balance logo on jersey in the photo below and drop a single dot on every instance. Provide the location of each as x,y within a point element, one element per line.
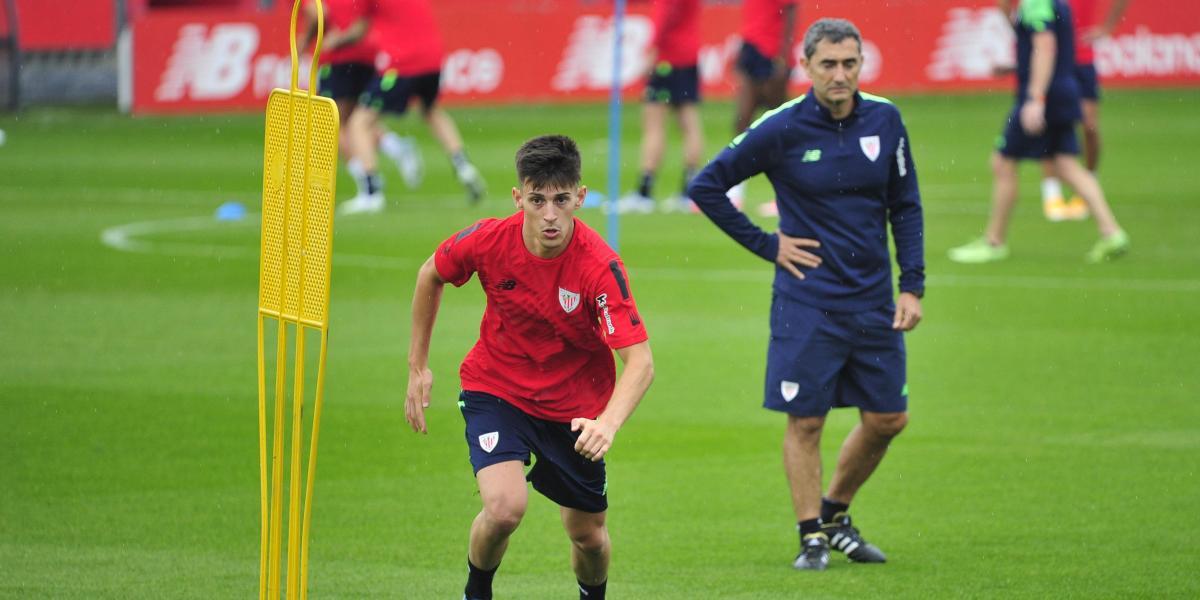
<point>811,155</point>
<point>488,441</point>
<point>507,284</point>
<point>568,300</point>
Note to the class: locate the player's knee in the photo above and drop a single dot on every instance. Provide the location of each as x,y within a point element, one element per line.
<point>805,427</point>
<point>591,541</point>
<point>1001,166</point>
<point>505,514</point>
<point>886,425</point>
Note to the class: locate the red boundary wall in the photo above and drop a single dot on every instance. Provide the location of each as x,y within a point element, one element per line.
<point>516,51</point>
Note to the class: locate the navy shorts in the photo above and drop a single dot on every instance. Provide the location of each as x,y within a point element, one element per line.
<point>344,80</point>
<point>498,431</point>
<point>1089,82</point>
<point>1057,138</point>
<point>754,63</point>
<point>673,85</point>
<point>391,93</point>
<point>818,360</point>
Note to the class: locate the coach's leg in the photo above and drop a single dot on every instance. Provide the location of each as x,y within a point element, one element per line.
<point>505,496</point>
<point>862,451</point>
<point>590,545</point>
<point>1004,197</point>
<point>802,461</point>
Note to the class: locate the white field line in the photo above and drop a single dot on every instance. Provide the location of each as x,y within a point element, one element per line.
<point>125,238</point>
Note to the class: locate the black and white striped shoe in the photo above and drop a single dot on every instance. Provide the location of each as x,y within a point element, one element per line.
<point>845,538</point>
<point>814,553</point>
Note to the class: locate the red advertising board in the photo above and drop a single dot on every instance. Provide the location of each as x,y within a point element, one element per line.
<point>74,25</point>
<point>508,51</point>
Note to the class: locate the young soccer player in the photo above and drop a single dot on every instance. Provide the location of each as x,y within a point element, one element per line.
<point>410,71</point>
<point>675,84</point>
<point>347,65</point>
<point>541,380</point>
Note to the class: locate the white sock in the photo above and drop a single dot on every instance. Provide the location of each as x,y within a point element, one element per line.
<point>1051,189</point>
<point>393,145</point>
<point>355,168</point>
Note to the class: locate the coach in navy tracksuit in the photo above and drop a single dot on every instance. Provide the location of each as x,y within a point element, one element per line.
<point>842,169</point>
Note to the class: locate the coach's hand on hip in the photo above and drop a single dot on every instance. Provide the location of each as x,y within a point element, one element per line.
<point>420,383</point>
<point>792,252</point>
<point>908,312</point>
<point>595,437</point>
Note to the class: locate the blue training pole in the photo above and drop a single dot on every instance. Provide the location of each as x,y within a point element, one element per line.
<point>614,127</point>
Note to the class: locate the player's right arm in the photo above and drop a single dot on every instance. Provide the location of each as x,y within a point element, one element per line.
<point>427,298</point>
<point>755,151</point>
<point>1038,16</point>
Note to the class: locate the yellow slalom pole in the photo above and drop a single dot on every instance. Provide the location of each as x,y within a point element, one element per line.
<point>312,465</point>
<point>262,455</point>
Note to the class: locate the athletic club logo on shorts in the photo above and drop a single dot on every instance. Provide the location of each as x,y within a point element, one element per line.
<point>568,300</point>
<point>488,441</point>
<point>870,146</point>
<point>789,389</point>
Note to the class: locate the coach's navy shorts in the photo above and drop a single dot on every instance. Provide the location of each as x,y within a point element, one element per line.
<point>391,92</point>
<point>818,360</point>
<point>498,431</point>
<point>673,85</point>
<point>754,63</point>
<point>344,80</point>
<point>1089,82</point>
<point>1057,138</point>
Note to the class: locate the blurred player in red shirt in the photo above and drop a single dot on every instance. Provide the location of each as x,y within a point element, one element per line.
<point>409,70</point>
<point>764,64</point>
<point>674,83</point>
<point>1088,29</point>
<point>347,65</point>
<point>541,380</point>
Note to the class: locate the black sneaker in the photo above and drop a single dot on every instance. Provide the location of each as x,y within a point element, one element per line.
<point>844,537</point>
<point>814,553</point>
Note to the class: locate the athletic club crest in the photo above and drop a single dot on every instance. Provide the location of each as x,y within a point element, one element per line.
<point>870,146</point>
<point>789,389</point>
<point>488,441</point>
<point>568,300</point>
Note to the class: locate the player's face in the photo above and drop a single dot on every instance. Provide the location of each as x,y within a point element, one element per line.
<point>549,216</point>
<point>834,70</point>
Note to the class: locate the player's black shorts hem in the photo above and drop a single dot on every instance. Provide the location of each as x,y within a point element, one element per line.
<point>1089,82</point>
<point>754,63</point>
<point>497,432</point>
<point>344,80</point>
<point>391,92</point>
<point>673,85</point>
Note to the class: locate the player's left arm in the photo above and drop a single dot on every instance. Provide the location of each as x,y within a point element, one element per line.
<point>596,436</point>
<point>1041,70</point>
<point>908,230</point>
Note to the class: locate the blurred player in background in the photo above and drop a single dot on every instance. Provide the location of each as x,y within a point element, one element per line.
<point>674,84</point>
<point>541,380</point>
<point>841,165</point>
<point>1087,31</point>
<point>409,67</point>
<point>347,65</point>
<point>764,65</point>
<point>1041,126</point>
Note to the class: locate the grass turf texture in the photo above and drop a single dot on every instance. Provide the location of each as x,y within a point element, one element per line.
<point>1052,450</point>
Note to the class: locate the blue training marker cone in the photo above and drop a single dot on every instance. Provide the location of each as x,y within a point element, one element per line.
<point>231,211</point>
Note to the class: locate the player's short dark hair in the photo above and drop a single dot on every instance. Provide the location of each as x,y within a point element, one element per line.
<point>549,161</point>
<point>833,30</point>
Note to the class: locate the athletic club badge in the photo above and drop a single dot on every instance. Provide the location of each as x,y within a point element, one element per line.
<point>870,146</point>
<point>568,300</point>
<point>488,441</point>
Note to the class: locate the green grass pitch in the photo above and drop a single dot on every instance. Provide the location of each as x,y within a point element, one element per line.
<point>1052,452</point>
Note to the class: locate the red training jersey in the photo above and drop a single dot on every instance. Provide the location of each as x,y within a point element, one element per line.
<point>545,343</point>
<point>341,14</point>
<point>762,25</point>
<point>677,31</point>
<point>407,35</point>
<point>1083,17</point>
